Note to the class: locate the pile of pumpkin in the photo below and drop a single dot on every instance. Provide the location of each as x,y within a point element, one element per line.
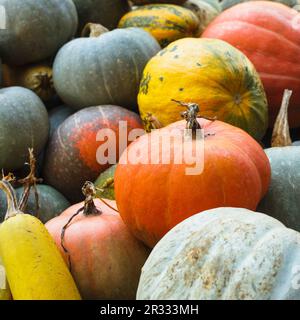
<point>149,231</point>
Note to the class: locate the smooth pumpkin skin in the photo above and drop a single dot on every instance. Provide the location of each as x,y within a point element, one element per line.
<point>224,254</point>
<point>106,259</point>
<point>211,73</point>
<point>283,198</point>
<point>103,70</point>
<point>71,156</point>
<point>107,13</point>
<point>57,116</point>
<point>24,124</point>
<point>225,4</point>
<point>153,198</point>
<point>165,22</point>
<point>265,32</point>
<point>105,182</point>
<point>40,272</point>
<point>41,37</point>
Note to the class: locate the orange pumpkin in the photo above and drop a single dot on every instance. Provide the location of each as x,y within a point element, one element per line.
<point>153,198</point>
<point>106,260</point>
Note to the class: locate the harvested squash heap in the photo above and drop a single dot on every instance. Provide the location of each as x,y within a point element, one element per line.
<point>34,266</point>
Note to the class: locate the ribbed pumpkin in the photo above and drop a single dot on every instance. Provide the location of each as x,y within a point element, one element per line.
<point>225,4</point>
<point>35,30</point>
<point>106,260</point>
<point>283,198</point>
<point>103,70</point>
<point>71,156</point>
<point>211,73</point>
<point>165,22</point>
<point>106,12</point>
<point>206,11</point>
<point>224,254</point>
<point>155,195</point>
<point>24,123</point>
<point>269,34</point>
<point>37,78</point>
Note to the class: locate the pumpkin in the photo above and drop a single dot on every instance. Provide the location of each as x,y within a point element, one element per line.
<point>210,73</point>
<point>105,259</point>
<point>49,24</point>
<point>24,123</point>
<point>165,22</point>
<point>283,198</point>
<point>58,115</point>
<point>37,78</point>
<point>224,254</point>
<point>108,13</point>
<point>103,70</point>
<point>268,33</point>
<point>206,11</point>
<point>4,288</point>
<point>34,267</point>
<point>105,184</point>
<point>71,156</point>
<point>229,169</point>
<point>225,4</point>
<point>139,2</point>
<point>51,203</point>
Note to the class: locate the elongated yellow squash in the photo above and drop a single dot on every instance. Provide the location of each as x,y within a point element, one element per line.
<point>34,266</point>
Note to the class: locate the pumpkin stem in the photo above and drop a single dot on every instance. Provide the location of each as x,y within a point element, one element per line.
<point>89,191</point>
<point>12,203</point>
<point>28,182</point>
<point>93,30</point>
<point>151,123</point>
<point>281,133</point>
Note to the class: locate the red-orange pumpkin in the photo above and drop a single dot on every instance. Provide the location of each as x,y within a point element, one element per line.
<point>269,34</point>
<point>153,198</point>
<point>106,260</point>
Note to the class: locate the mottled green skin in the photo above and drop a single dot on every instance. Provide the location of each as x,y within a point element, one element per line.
<point>106,12</point>
<point>105,182</point>
<point>104,70</point>
<point>51,202</point>
<point>283,198</point>
<point>24,123</point>
<point>36,29</point>
<point>230,3</point>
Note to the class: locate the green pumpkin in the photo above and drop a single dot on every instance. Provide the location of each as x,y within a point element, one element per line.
<point>51,202</point>
<point>35,29</point>
<point>105,183</point>
<point>105,12</point>
<point>225,4</point>
<point>24,124</point>
<point>103,70</point>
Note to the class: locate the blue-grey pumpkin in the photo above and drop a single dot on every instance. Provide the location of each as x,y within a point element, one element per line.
<point>57,116</point>
<point>106,12</point>
<point>35,30</point>
<point>24,124</point>
<point>51,203</point>
<point>105,69</point>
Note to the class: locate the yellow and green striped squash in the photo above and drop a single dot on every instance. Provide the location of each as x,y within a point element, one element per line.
<point>165,22</point>
<point>210,72</point>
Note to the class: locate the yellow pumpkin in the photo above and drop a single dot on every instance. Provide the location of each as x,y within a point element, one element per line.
<point>211,73</point>
<point>165,22</point>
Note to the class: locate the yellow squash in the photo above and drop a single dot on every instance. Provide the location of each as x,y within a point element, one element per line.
<point>34,266</point>
<point>211,73</point>
<point>165,22</point>
<point>4,288</point>
<point>37,78</point>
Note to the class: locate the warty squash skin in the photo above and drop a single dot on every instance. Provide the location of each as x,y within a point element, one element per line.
<point>24,123</point>
<point>34,266</point>
<point>165,22</point>
<point>154,197</point>
<point>268,33</point>
<point>49,24</point>
<point>105,12</point>
<point>71,155</point>
<point>211,73</point>
<point>224,254</point>
<point>106,260</point>
<point>103,70</point>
